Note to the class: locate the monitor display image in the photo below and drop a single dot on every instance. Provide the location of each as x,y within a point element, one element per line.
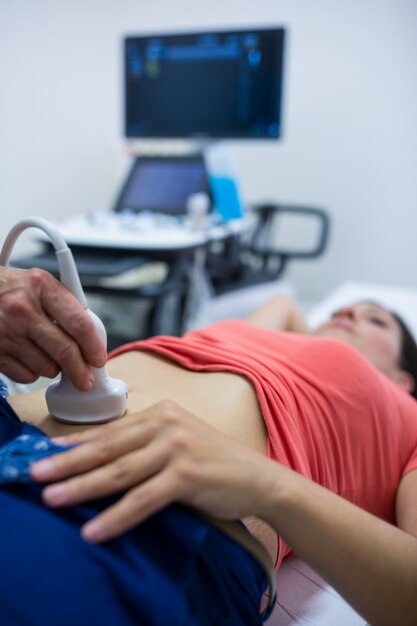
<point>162,184</point>
<point>219,84</point>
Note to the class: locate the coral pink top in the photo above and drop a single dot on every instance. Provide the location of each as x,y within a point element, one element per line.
<point>330,415</point>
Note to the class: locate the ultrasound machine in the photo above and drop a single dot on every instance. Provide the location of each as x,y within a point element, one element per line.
<point>203,88</point>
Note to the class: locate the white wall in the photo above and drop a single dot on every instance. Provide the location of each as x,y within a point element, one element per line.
<point>350,141</point>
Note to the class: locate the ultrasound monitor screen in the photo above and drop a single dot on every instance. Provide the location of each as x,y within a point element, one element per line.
<point>214,84</point>
<point>162,184</point>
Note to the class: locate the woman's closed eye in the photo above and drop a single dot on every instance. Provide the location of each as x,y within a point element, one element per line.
<point>377,321</point>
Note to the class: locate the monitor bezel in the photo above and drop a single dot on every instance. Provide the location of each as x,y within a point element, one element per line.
<point>208,136</point>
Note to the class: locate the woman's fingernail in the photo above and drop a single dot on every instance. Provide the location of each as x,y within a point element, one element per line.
<point>93,531</point>
<point>55,494</point>
<point>42,469</point>
<point>60,441</point>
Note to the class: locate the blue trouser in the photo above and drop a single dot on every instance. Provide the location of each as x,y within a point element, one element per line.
<point>173,569</point>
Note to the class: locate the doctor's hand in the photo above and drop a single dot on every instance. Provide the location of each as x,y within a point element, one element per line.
<point>44,329</point>
<point>159,456</point>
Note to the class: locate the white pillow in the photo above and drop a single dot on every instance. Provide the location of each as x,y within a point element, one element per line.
<point>401,300</point>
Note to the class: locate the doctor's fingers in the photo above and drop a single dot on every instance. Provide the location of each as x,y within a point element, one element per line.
<point>60,305</point>
<point>39,298</point>
<point>41,346</point>
<point>62,349</point>
<point>32,299</point>
<point>32,358</point>
<point>16,370</point>
<point>120,475</point>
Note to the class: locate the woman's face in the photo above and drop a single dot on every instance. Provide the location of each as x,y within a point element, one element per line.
<point>372,330</point>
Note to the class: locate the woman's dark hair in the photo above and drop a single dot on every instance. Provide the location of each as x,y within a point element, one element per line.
<point>408,353</point>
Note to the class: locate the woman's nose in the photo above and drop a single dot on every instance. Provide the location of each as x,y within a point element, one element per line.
<point>347,311</point>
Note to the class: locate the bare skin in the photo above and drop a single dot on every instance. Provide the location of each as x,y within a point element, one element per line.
<point>220,399</point>
<point>44,329</point>
<point>164,454</point>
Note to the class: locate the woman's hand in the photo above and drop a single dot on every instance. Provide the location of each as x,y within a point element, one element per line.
<point>164,455</point>
<point>159,456</point>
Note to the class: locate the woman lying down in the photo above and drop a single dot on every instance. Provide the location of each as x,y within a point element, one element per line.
<point>308,438</point>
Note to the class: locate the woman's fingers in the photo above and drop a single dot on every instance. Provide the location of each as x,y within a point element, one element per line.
<point>160,456</point>
<point>105,443</point>
<point>93,453</point>
<point>83,436</point>
<point>123,473</point>
<point>152,414</point>
<point>133,508</point>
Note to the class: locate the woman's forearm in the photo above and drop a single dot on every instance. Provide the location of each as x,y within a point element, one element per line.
<point>164,455</point>
<point>279,313</point>
<point>371,563</point>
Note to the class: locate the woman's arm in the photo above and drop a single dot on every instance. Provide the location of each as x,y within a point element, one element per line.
<point>166,455</point>
<point>371,563</point>
<point>280,313</point>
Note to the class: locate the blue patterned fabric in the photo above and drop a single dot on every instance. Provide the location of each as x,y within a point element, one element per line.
<point>3,389</point>
<point>17,455</point>
<point>172,569</point>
